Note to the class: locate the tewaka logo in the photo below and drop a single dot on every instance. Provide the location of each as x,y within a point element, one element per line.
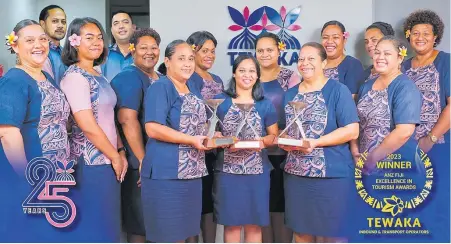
<point>261,20</point>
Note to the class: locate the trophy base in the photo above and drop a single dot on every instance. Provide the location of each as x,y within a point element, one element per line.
<point>219,141</point>
<point>247,144</point>
<point>293,142</point>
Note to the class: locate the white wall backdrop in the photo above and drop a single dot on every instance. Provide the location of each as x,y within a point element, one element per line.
<point>172,20</point>
<point>13,12</point>
<point>395,12</point>
<point>77,9</point>
<point>16,10</point>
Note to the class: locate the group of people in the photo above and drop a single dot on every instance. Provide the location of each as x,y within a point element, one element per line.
<point>136,132</point>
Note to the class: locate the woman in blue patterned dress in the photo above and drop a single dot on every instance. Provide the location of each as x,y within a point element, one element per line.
<point>389,110</point>
<point>275,81</point>
<point>209,85</point>
<point>94,140</point>
<point>241,189</point>
<point>373,34</point>
<point>130,86</point>
<point>33,117</point>
<point>430,70</point>
<point>318,179</point>
<point>175,117</point>
<point>344,68</point>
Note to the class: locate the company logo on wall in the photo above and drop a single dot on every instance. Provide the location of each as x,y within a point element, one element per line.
<point>264,19</point>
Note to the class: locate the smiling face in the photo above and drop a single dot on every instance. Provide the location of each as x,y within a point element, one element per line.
<point>181,64</point>
<point>372,37</point>
<point>91,45</point>
<point>121,27</point>
<point>55,25</point>
<point>205,57</point>
<point>146,53</point>
<point>246,75</point>
<point>386,58</point>
<point>267,52</point>
<point>310,64</point>
<point>422,38</point>
<point>32,46</point>
<point>333,41</point>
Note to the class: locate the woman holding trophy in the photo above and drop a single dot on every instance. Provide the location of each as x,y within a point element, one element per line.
<point>321,119</point>
<point>171,185</point>
<point>241,183</point>
<point>209,85</point>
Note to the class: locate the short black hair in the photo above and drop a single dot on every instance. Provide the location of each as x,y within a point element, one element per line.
<point>257,90</point>
<point>334,22</point>
<point>385,28</point>
<point>199,38</point>
<point>45,11</point>
<point>69,54</point>
<point>19,26</point>
<point>122,12</point>
<point>145,32</point>
<point>426,17</point>
<point>170,49</point>
<point>321,50</point>
<point>267,35</point>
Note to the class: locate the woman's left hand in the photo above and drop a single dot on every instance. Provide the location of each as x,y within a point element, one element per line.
<point>313,144</point>
<point>370,164</point>
<point>425,144</point>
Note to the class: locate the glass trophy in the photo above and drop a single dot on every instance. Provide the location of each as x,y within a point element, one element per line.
<point>246,144</point>
<point>211,141</point>
<point>298,107</point>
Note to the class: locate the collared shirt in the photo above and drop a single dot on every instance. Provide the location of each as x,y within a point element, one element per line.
<point>54,65</point>
<point>115,62</point>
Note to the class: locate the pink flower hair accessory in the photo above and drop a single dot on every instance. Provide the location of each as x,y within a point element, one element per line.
<point>75,40</point>
<point>346,35</point>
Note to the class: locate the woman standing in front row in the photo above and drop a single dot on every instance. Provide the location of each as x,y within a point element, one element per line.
<point>94,140</point>
<point>33,117</point>
<point>130,86</point>
<point>175,116</point>
<point>318,180</point>
<point>241,189</point>
<point>344,68</point>
<point>373,34</point>
<point>275,81</point>
<point>389,109</point>
<point>209,85</point>
<point>430,70</point>
<point>385,129</point>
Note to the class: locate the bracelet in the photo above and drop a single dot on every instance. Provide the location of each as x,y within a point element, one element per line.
<point>121,149</point>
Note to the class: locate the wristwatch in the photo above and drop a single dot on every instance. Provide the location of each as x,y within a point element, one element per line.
<point>121,149</point>
<point>433,138</point>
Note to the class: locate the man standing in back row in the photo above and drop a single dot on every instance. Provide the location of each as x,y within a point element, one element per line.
<point>119,55</point>
<point>53,20</point>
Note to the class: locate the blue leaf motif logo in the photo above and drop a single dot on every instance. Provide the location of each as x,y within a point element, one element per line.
<point>247,22</point>
<point>286,22</point>
<point>246,39</point>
